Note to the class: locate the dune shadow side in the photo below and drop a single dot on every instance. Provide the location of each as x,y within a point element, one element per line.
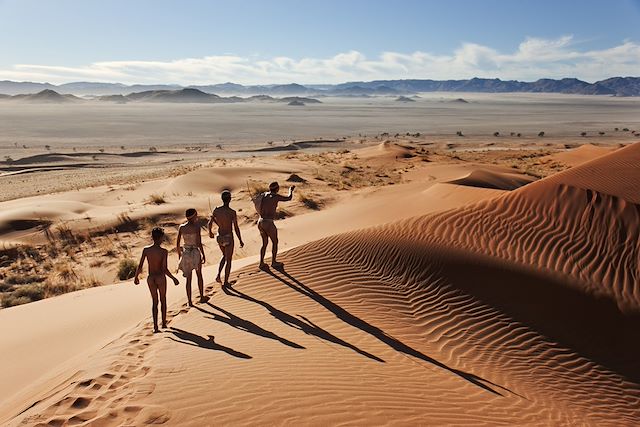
<point>592,326</point>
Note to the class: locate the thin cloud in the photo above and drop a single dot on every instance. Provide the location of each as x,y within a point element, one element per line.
<point>534,58</point>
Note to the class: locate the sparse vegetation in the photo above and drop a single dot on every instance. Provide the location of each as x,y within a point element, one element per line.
<point>309,202</point>
<point>157,199</point>
<point>583,134</point>
<point>459,133</point>
<point>496,134</point>
<point>153,149</point>
<point>541,134</point>
<point>126,269</point>
<point>23,295</point>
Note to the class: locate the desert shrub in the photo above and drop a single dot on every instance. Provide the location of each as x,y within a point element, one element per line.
<point>541,134</point>
<point>254,188</point>
<point>157,199</point>
<point>496,134</point>
<point>309,202</point>
<point>127,269</point>
<point>23,294</point>
<point>64,271</point>
<point>23,278</point>
<point>153,149</point>
<point>583,134</point>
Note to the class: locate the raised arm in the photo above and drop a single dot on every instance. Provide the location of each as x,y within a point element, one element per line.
<point>289,197</point>
<point>235,226</point>
<point>140,265</point>
<point>165,268</point>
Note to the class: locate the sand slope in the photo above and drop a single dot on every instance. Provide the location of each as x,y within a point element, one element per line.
<point>522,309</point>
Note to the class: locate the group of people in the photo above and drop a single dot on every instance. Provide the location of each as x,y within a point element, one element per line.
<point>192,255</point>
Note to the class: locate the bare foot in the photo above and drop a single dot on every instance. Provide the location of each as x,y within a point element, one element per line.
<point>203,299</point>
<point>263,266</point>
<point>218,279</point>
<point>190,304</point>
<point>164,326</point>
<point>156,330</point>
<point>277,265</point>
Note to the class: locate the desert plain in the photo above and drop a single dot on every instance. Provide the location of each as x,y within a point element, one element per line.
<point>459,259</point>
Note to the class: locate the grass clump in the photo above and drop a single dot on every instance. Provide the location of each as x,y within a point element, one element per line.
<point>309,202</point>
<point>24,294</point>
<point>157,199</point>
<point>127,269</point>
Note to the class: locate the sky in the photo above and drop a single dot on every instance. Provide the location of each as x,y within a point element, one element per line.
<point>316,41</point>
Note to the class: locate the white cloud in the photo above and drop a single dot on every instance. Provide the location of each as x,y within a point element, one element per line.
<point>534,58</point>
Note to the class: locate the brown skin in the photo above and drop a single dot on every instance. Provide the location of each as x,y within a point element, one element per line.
<point>191,227</point>
<point>268,229</point>
<point>227,220</point>
<point>156,257</point>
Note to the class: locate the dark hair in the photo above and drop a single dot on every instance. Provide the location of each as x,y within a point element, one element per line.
<point>190,212</point>
<point>274,185</point>
<point>157,233</point>
<point>226,196</point>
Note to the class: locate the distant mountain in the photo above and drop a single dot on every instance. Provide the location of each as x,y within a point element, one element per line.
<point>189,95</point>
<point>8,87</point>
<point>617,86</point>
<point>92,88</point>
<point>192,95</point>
<point>47,96</point>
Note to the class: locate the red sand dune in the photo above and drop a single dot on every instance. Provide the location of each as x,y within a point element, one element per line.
<point>521,309</point>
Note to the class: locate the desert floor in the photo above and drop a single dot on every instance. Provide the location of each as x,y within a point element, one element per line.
<point>429,278</point>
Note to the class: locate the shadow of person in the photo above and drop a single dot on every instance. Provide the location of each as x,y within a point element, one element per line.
<point>301,323</point>
<point>379,334</point>
<point>188,338</point>
<point>245,325</point>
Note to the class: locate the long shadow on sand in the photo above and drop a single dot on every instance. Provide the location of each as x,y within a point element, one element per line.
<point>245,325</point>
<point>301,323</point>
<point>188,338</point>
<point>379,334</point>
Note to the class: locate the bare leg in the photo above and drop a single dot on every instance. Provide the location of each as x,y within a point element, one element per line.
<point>228,254</point>
<point>263,249</point>
<point>188,285</point>
<point>153,289</point>
<point>162,288</point>
<point>272,232</point>
<point>200,283</point>
<point>221,266</point>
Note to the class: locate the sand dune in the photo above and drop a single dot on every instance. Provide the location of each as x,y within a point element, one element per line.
<point>521,308</point>
<point>582,154</point>
<point>491,179</point>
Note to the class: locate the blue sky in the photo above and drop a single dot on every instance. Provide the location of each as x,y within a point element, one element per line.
<point>252,41</point>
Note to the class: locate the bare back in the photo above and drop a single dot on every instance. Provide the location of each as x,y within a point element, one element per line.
<point>270,204</point>
<point>225,217</point>
<point>156,258</point>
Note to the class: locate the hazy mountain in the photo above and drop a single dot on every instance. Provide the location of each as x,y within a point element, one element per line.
<point>46,96</point>
<point>8,87</point>
<point>190,95</point>
<point>619,86</point>
<point>93,88</point>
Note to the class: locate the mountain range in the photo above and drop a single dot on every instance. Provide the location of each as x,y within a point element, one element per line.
<point>617,86</point>
<point>184,95</point>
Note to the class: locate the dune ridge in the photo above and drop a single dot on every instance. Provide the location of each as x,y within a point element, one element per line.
<point>520,309</point>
